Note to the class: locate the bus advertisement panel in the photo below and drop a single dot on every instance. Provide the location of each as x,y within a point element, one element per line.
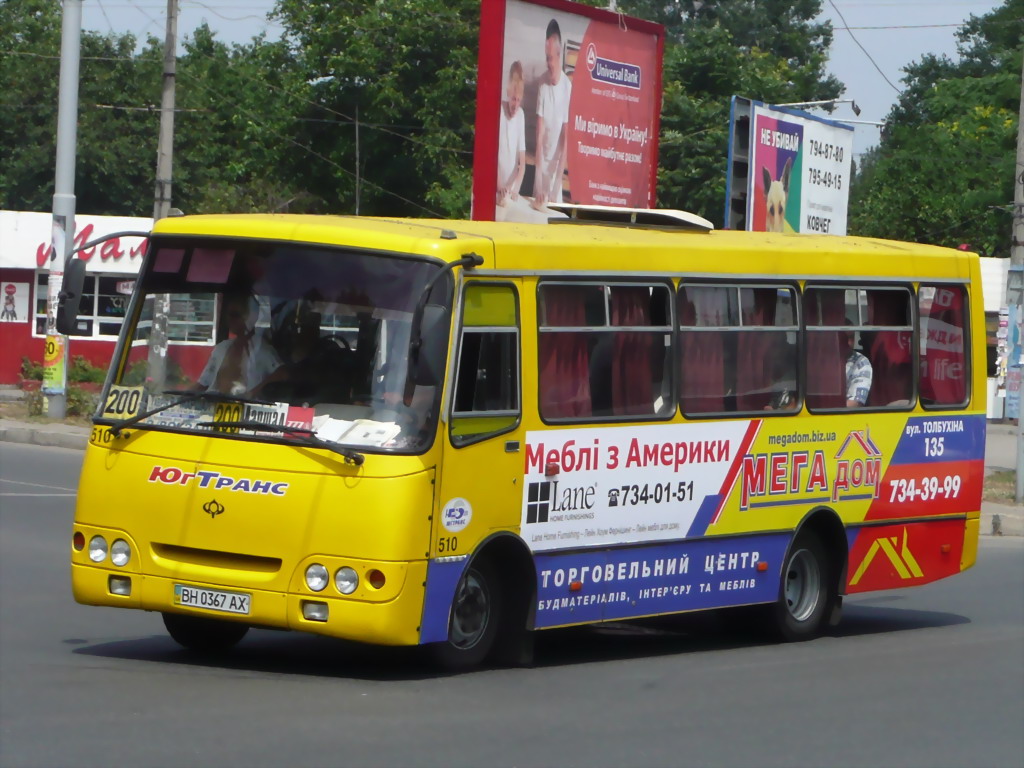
<point>703,502</point>
<point>568,101</point>
<point>799,178</point>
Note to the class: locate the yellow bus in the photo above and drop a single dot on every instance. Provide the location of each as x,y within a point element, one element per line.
<point>458,433</point>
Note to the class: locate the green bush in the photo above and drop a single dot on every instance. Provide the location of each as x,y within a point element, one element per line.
<point>80,402</point>
<point>30,369</point>
<point>34,402</point>
<point>81,370</point>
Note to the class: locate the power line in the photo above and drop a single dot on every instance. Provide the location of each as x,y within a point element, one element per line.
<point>854,37</point>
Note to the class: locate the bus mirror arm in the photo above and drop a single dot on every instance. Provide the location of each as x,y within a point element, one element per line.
<point>70,297</point>
<point>429,332</point>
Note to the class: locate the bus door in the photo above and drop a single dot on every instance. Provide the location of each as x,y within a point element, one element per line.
<point>482,472</point>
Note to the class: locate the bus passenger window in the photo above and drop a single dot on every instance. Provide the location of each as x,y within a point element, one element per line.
<point>487,384</point>
<point>737,348</point>
<point>944,355</point>
<point>605,351</point>
<point>889,347</point>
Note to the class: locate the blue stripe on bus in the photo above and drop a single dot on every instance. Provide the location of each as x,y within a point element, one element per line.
<point>931,439</point>
<point>652,579</point>
<point>442,577</point>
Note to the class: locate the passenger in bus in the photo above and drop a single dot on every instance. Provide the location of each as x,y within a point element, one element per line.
<point>858,372</point>
<point>240,364</point>
<point>313,368</point>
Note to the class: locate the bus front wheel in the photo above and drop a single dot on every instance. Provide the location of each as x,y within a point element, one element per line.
<point>473,623</point>
<point>198,633</point>
<point>804,598</point>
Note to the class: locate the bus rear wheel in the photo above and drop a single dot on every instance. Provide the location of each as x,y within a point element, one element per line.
<point>198,633</point>
<point>804,597</point>
<point>473,624</point>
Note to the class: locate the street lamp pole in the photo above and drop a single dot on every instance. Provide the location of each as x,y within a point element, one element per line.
<point>63,230</point>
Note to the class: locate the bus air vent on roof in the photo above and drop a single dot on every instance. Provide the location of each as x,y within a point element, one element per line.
<point>653,218</point>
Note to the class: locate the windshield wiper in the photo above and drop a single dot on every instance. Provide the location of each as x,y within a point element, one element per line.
<point>187,396</point>
<point>307,436</point>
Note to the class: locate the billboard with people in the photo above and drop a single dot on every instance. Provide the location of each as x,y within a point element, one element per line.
<point>568,99</point>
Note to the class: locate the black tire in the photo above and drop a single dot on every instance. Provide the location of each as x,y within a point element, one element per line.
<point>474,620</point>
<point>198,633</point>
<point>804,591</point>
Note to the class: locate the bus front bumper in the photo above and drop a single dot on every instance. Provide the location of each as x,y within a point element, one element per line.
<point>395,622</point>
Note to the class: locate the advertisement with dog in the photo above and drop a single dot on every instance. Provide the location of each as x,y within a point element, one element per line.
<point>568,101</point>
<point>799,173</point>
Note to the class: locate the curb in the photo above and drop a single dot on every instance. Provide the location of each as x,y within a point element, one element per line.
<point>44,437</point>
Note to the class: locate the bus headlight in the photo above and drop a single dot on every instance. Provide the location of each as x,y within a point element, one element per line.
<point>346,580</point>
<point>120,552</point>
<point>97,549</point>
<point>317,577</point>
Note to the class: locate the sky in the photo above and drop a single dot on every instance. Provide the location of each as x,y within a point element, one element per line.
<point>873,40</point>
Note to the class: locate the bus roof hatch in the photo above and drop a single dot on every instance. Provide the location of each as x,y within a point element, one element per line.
<point>654,218</point>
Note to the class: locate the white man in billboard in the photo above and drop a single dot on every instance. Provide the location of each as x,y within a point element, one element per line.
<point>511,139</point>
<point>552,118</point>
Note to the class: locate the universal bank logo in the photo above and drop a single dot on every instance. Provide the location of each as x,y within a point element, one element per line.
<point>610,71</point>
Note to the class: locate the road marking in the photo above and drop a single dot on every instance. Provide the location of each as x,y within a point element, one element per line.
<point>36,485</point>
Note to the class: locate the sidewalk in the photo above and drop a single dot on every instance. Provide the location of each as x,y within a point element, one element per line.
<point>996,519</point>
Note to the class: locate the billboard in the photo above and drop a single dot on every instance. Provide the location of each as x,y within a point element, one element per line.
<point>568,99</point>
<point>793,167</point>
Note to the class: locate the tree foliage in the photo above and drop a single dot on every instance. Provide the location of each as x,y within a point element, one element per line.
<point>943,172</point>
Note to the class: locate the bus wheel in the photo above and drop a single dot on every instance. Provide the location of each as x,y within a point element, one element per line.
<point>801,610</point>
<point>473,625</point>
<point>198,633</point>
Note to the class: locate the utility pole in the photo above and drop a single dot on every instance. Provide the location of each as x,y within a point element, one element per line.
<point>1017,261</point>
<point>162,194</point>
<point>63,231</point>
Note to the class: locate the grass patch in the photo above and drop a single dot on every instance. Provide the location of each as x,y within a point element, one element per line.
<point>1001,486</point>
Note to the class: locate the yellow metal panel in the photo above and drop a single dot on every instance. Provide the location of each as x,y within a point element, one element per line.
<point>489,305</point>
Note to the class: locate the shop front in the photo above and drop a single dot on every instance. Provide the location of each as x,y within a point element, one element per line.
<point>111,270</point>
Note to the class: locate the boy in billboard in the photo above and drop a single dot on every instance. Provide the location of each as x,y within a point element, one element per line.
<point>511,139</point>
<point>552,117</point>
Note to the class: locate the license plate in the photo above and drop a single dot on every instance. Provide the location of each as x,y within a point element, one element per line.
<point>212,599</point>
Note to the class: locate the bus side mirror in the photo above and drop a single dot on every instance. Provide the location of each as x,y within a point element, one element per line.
<point>70,302</point>
<point>433,346</point>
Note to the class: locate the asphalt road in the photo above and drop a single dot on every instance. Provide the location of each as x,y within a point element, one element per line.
<point>925,677</point>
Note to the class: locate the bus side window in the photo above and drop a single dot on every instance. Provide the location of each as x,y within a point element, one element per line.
<point>944,364</point>
<point>889,347</point>
<point>486,400</point>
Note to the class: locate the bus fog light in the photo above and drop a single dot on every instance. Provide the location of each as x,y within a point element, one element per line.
<point>317,577</point>
<point>376,579</point>
<point>97,549</point>
<point>314,611</point>
<point>78,541</point>
<point>119,585</point>
<point>120,552</point>
<point>346,580</point>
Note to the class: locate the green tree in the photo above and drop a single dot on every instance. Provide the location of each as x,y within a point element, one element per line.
<point>943,172</point>
<point>407,69</point>
<point>109,172</point>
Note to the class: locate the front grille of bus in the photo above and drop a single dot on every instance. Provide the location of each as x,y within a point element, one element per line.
<point>212,558</point>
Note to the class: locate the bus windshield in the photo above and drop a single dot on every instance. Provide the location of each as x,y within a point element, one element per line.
<point>281,334</point>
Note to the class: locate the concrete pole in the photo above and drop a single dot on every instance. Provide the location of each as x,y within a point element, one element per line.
<point>55,355</point>
<point>1017,260</point>
<point>157,372</point>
